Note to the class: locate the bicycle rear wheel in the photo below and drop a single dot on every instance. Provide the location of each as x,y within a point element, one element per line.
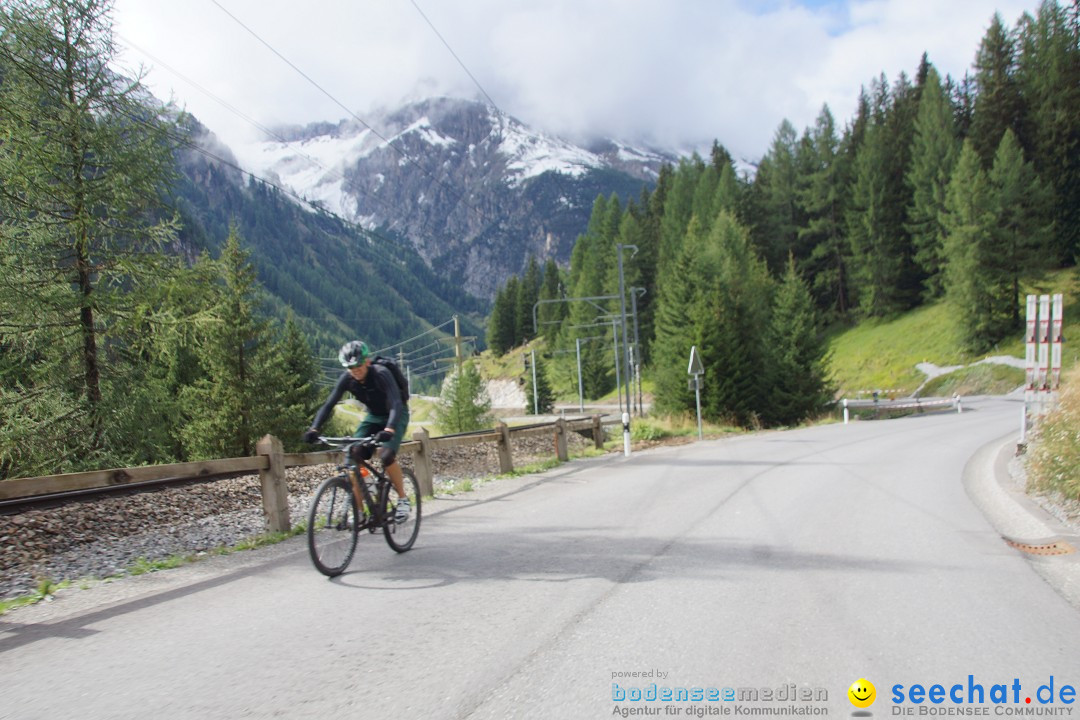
<point>333,524</point>
<point>401,536</point>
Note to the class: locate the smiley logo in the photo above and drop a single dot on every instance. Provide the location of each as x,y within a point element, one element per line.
<point>862,693</point>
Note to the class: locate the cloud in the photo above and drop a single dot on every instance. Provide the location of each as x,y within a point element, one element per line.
<point>676,75</point>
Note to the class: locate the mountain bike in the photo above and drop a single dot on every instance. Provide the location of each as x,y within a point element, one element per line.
<point>361,497</point>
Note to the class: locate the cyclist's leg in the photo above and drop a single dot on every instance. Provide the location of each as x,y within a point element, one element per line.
<point>388,454</point>
<point>370,425</point>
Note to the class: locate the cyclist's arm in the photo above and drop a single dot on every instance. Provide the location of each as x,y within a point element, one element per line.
<point>328,407</point>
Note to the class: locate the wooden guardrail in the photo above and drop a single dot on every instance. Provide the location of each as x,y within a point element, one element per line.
<point>271,463</point>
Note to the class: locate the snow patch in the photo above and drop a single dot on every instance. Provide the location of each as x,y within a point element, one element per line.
<point>533,154</point>
<point>422,127</point>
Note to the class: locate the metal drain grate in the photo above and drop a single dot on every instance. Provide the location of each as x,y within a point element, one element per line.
<point>1058,547</point>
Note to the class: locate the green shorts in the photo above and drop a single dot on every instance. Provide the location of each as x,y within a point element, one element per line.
<point>372,424</point>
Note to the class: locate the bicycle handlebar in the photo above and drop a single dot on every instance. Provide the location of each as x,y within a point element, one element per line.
<point>344,441</point>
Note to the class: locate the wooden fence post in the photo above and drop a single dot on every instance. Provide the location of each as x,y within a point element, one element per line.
<point>275,493</point>
<point>560,440</point>
<point>425,469</point>
<point>506,457</point>
<point>597,432</point>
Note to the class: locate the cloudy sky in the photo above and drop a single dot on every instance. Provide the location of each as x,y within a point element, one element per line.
<point>672,73</point>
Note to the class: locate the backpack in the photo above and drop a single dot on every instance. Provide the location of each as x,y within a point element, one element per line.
<point>399,376</point>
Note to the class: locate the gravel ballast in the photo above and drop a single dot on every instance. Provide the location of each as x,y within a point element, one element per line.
<point>107,536</point>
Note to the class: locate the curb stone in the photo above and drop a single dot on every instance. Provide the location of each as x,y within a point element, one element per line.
<point>1018,518</point>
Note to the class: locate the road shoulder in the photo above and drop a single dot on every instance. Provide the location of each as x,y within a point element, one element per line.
<point>1021,521</point>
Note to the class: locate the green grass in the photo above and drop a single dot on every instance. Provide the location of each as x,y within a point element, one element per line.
<point>532,468</point>
<point>882,354</point>
<point>46,588</point>
<point>985,379</point>
<point>462,486</point>
<point>658,427</point>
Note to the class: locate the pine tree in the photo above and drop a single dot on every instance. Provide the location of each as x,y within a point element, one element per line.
<point>973,288</point>
<point>798,374</point>
<point>1021,225</point>
<point>288,371</point>
<point>998,103</point>
<point>821,202</point>
<point>730,323</point>
<point>934,154</point>
<point>528,295</point>
<point>651,211</point>
<point>595,255</point>
<point>678,208</point>
<point>83,163</point>
<point>545,398</point>
<point>1049,77</point>
<point>500,329</point>
<point>880,245</point>
<point>676,316</point>
<point>463,404</point>
<point>512,318</point>
<point>776,219</point>
<point>551,314</point>
<point>221,408</point>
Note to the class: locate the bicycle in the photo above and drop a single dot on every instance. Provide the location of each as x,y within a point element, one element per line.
<point>361,497</point>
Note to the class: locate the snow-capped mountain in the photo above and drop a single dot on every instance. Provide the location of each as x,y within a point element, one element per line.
<point>475,191</point>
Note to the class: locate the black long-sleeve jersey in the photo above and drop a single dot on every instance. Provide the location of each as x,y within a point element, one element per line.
<point>379,392</point>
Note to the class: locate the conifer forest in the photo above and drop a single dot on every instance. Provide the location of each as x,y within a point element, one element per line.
<point>938,189</point>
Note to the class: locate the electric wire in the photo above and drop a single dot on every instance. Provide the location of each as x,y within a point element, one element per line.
<point>384,350</point>
<point>459,61</point>
<point>359,119</point>
<point>335,173</point>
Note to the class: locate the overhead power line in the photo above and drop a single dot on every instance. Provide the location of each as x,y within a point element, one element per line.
<point>333,172</point>
<point>340,104</point>
<point>459,61</point>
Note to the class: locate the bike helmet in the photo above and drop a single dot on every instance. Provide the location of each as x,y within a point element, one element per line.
<point>353,354</point>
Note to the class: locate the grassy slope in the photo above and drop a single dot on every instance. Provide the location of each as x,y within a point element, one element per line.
<point>882,354</point>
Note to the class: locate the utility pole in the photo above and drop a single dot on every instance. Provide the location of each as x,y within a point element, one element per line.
<point>637,344</point>
<point>622,309</point>
<point>459,340</point>
<point>536,396</point>
<point>580,385</point>
<point>618,383</point>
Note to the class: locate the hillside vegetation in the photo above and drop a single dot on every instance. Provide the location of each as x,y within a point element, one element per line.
<point>883,354</point>
<point>1055,445</point>
<point>875,354</point>
<point>913,230</point>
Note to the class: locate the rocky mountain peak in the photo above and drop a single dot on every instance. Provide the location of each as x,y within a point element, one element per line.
<point>476,192</point>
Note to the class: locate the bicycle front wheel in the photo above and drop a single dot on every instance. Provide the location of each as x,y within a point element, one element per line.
<point>333,523</point>
<point>401,535</point>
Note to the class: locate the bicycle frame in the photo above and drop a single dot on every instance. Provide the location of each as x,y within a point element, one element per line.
<point>364,498</point>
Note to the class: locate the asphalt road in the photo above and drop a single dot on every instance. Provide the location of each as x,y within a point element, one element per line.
<point>793,561</point>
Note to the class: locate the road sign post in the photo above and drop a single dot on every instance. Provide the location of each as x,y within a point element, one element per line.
<point>697,370</point>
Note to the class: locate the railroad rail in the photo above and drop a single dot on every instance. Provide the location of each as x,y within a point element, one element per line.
<point>271,462</point>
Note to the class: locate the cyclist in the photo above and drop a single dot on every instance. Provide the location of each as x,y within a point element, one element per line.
<point>387,418</point>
